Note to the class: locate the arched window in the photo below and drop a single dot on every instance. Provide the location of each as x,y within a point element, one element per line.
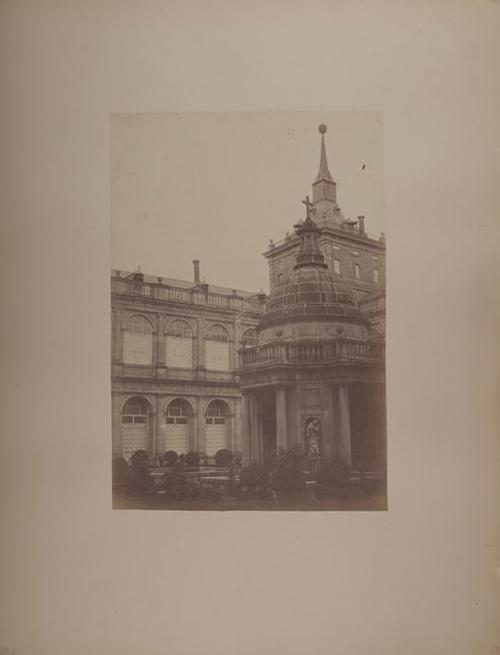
<point>217,348</point>
<point>135,412</point>
<point>135,426</point>
<point>138,341</point>
<point>356,271</point>
<point>250,337</point>
<point>217,333</point>
<point>178,412</point>
<point>178,426</point>
<point>216,427</point>
<point>179,343</point>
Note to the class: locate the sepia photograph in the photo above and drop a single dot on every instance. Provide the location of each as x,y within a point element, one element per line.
<point>248,311</point>
<point>230,424</point>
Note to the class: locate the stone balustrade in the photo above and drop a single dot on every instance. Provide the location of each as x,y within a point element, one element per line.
<point>313,352</point>
<point>194,295</point>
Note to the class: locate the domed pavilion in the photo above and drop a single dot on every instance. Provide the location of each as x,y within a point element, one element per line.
<point>317,376</point>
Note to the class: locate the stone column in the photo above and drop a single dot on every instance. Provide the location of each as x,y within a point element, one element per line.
<point>291,413</point>
<point>236,426</point>
<point>159,419</point>
<point>200,426</point>
<point>254,429</point>
<point>194,442</point>
<point>116,424</point>
<point>344,425</point>
<point>245,429</point>
<point>281,427</point>
<point>152,419</point>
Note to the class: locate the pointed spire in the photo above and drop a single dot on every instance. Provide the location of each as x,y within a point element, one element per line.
<point>323,173</point>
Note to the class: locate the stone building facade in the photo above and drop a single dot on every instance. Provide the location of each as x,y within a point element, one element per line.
<point>174,356</point>
<point>197,368</point>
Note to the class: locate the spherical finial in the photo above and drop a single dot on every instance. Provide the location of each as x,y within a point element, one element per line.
<point>322,128</point>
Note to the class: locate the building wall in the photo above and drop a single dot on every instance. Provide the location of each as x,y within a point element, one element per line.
<point>347,249</point>
<point>176,344</point>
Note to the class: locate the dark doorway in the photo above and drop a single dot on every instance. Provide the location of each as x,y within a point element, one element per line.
<point>362,427</point>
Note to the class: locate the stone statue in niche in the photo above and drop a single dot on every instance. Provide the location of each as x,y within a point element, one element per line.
<point>313,442</point>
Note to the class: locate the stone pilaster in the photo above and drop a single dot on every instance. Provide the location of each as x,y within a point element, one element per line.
<point>116,424</point>
<point>281,422</point>
<point>245,428</point>
<point>344,423</point>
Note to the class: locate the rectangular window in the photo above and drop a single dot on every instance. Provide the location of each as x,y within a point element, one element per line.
<point>179,352</point>
<point>356,271</point>
<point>336,266</point>
<point>217,355</point>
<point>376,277</point>
<point>137,348</point>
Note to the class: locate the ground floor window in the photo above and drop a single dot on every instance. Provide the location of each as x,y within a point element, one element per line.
<point>178,426</point>
<point>135,426</point>
<point>216,420</point>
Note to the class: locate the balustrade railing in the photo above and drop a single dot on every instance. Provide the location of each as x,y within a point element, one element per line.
<point>313,352</point>
<point>193,295</point>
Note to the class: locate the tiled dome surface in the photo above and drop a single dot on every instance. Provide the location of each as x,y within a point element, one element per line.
<point>311,292</point>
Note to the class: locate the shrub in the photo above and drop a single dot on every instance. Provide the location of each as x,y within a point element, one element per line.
<point>192,459</point>
<point>254,476</point>
<point>288,473</point>
<point>139,479</point>
<point>223,457</point>
<point>121,473</point>
<point>178,485</point>
<point>140,457</point>
<point>170,458</point>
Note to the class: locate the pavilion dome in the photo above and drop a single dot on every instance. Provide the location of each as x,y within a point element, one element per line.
<point>312,302</point>
<point>311,294</point>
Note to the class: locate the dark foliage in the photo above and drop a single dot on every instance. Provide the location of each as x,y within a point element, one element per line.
<point>223,457</point>
<point>255,476</point>
<point>192,459</point>
<point>140,457</point>
<point>288,472</point>
<point>170,458</point>
<point>139,482</point>
<point>178,485</point>
<point>121,474</point>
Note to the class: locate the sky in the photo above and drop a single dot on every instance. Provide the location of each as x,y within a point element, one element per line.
<point>217,186</point>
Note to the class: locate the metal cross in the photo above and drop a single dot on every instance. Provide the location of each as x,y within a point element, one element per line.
<point>308,205</point>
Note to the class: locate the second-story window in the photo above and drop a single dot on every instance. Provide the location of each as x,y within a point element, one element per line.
<point>217,348</point>
<point>179,344</point>
<point>356,271</point>
<point>138,341</point>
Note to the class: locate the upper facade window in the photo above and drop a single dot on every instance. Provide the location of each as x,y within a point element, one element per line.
<point>179,345</point>
<point>217,348</point>
<point>336,266</point>
<point>376,275</point>
<point>356,271</point>
<point>138,341</point>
